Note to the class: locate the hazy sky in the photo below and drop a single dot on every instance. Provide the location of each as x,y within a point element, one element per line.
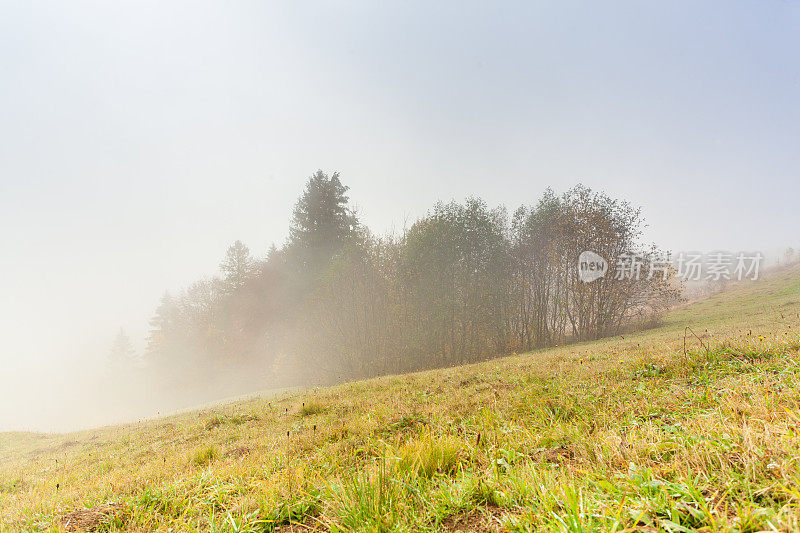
<point>139,139</point>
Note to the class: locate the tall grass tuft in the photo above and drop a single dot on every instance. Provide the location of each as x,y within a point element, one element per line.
<point>427,456</point>
<point>204,456</point>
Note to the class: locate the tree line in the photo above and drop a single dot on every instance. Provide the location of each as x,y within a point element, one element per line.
<point>463,283</point>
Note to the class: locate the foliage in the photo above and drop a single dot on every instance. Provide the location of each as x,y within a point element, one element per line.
<point>463,283</point>
<point>237,267</point>
<point>122,356</point>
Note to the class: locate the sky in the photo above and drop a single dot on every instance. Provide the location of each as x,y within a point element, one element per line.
<point>139,139</point>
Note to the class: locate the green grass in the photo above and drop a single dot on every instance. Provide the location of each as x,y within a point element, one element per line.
<point>204,455</point>
<point>311,408</point>
<point>623,434</point>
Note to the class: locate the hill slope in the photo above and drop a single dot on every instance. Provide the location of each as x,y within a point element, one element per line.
<point>626,433</point>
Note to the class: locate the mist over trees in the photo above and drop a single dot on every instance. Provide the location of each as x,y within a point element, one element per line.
<point>122,356</point>
<point>463,283</point>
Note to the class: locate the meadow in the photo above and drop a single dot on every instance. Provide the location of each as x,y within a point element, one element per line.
<point>659,430</point>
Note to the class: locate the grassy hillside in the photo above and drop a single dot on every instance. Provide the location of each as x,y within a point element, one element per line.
<point>623,434</point>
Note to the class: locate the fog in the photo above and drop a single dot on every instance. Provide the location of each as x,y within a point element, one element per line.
<point>138,141</point>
